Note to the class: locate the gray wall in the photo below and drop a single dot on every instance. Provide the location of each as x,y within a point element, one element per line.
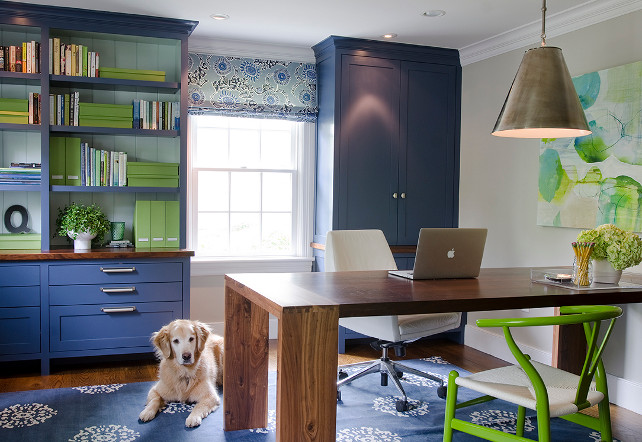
<point>498,187</point>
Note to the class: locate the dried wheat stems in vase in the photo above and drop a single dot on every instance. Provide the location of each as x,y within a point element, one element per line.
<point>583,252</point>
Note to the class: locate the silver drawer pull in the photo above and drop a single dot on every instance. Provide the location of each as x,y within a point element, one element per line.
<point>118,309</point>
<point>118,269</point>
<point>117,289</point>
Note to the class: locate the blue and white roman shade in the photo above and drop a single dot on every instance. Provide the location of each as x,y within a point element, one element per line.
<point>252,87</point>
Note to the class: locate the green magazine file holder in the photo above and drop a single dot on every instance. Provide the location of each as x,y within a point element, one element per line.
<point>549,391</point>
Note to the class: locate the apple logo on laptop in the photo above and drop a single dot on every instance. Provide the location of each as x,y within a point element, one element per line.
<point>451,253</point>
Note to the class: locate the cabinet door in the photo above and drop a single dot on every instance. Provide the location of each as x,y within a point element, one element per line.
<point>369,142</point>
<point>429,151</point>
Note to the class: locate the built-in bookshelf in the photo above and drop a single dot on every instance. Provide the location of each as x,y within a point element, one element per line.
<point>143,45</point>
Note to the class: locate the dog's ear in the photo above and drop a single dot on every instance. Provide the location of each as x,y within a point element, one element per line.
<point>160,339</point>
<point>202,332</point>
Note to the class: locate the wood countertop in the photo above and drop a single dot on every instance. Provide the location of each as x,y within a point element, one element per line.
<point>102,253</point>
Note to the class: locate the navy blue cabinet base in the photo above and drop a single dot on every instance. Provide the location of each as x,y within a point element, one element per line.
<point>63,304</point>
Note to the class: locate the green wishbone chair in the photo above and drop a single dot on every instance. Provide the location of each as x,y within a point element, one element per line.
<point>549,391</point>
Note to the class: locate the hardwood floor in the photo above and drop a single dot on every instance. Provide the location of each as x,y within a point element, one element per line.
<point>24,375</point>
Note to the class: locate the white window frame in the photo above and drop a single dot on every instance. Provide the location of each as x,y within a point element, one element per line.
<point>302,224</point>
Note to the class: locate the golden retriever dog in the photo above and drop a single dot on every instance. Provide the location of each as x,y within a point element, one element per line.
<point>191,365</point>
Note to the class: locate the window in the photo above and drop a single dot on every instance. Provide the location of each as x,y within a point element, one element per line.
<point>250,187</point>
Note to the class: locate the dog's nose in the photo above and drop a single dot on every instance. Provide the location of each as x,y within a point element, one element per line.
<point>187,357</point>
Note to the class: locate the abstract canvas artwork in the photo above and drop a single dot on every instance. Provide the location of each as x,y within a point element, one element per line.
<point>597,179</point>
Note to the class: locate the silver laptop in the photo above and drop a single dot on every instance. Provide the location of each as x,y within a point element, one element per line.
<point>444,253</point>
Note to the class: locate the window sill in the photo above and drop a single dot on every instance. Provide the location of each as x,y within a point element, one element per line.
<point>205,266</point>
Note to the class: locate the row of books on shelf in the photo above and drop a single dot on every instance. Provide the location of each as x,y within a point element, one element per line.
<point>19,111</point>
<point>21,173</point>
<point>21,58</point>
<point>157,115</point>
<point>72,59</point>
<point>75,163</point>
<point>67,110</point>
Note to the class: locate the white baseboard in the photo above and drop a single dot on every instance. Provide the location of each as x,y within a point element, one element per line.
<point>622,392</point>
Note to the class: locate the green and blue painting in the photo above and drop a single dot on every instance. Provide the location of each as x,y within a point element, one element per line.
<point>597,179</point>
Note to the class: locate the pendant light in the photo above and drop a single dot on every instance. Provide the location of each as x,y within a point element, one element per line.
<point>542,102</point>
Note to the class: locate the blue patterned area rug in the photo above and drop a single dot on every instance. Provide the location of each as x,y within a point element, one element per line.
<point>366,413</point>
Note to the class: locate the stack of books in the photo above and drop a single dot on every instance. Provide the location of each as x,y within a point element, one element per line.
<point>24,58</point>
<point>72,59</point>
<point>152,174</point>
<point>20,173</point>
<point>105,115</point>
<point>14,110</point>
<point>20,241</point>
<point>157,115</point>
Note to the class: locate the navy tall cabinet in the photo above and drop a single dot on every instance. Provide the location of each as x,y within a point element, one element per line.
<point>388,138</point>
<point>387,143</point>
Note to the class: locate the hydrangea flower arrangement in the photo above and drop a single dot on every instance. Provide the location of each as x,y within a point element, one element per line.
<point>621,248</point>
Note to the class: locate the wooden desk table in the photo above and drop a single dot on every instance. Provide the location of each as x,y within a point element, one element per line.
<point>308,307</point>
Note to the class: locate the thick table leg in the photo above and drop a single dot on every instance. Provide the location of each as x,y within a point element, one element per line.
<point>569,347</point>
<point>245,377</point>
<point>306,404</point>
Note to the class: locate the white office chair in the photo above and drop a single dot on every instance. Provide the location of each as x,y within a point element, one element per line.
<point>353,250</point>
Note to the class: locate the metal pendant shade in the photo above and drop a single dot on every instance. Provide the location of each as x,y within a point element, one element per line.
<point>542,102</point>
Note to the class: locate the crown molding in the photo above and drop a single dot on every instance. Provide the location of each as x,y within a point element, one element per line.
<point>572,19</point>
<point>246,49</point>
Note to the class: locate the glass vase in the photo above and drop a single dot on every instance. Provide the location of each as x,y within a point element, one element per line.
<point>582,272</point>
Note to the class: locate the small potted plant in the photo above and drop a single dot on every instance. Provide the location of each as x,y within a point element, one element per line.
<point>615,250</point>
<point>82,224</point>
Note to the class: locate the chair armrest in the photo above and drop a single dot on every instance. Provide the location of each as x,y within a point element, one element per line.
<point>568,315</point>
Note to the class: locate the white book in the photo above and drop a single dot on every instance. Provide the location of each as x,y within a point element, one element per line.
<point>121,169</point>
<point>92,65</point>
<point>68,67</point>
<point>124,166</point>
<point>76,107</point>
<point>97,65</point>
<point>34,63</point>
<point>27,60</point>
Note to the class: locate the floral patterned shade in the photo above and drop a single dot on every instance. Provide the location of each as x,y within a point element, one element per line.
<point>252,87</point>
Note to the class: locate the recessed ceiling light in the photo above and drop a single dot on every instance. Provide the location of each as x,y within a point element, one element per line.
<point>391,35</point>
<point>434,13</point>
<point>220,16</point>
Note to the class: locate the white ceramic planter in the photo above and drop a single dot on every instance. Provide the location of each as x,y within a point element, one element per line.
<point>603,272</point>
<point>83,240</point>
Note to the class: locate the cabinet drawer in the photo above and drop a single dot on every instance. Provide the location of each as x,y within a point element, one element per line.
<point>19,330</point>
<point>115,272</point>
<point>19,296</point>
<point>115,293</point>
<point>19,275</point>
<point>95,327</point>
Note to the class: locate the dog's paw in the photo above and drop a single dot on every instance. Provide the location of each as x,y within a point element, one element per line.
<point>193,420</point>
<point>147,414</point>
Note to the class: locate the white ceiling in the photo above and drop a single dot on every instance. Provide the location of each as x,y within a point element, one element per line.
<point>472,26</point>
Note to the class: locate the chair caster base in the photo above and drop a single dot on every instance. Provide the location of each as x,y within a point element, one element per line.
<point>442,391</point>
<point>342,374</point>
<point>338,395</point>
<point>401,406</point>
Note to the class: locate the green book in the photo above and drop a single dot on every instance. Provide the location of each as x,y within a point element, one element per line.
<point>67,110</point>
<point>57,161</point>
<point>85,53</point>
<point>103,110</point>
<point>20,241</point>
<point>72,161</point>
<point>14,104</point>
<point>132,74</point>
<point>157,223</point>
<point>169,170</point>
<point>14,119</point>
<point>142,224</point>
<point>172,223</point>
<point>102,122</point>
<point>151,181</point>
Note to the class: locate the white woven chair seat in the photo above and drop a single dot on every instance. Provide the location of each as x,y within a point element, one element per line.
<point>417,326</point>
<point>511,384</point>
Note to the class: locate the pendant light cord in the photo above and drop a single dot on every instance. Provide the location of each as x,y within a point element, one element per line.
<point>543,36</point>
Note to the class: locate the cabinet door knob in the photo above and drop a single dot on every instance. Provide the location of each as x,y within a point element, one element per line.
<point>117,289</point>
<point>403,195</point>
<point>394,195</point>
